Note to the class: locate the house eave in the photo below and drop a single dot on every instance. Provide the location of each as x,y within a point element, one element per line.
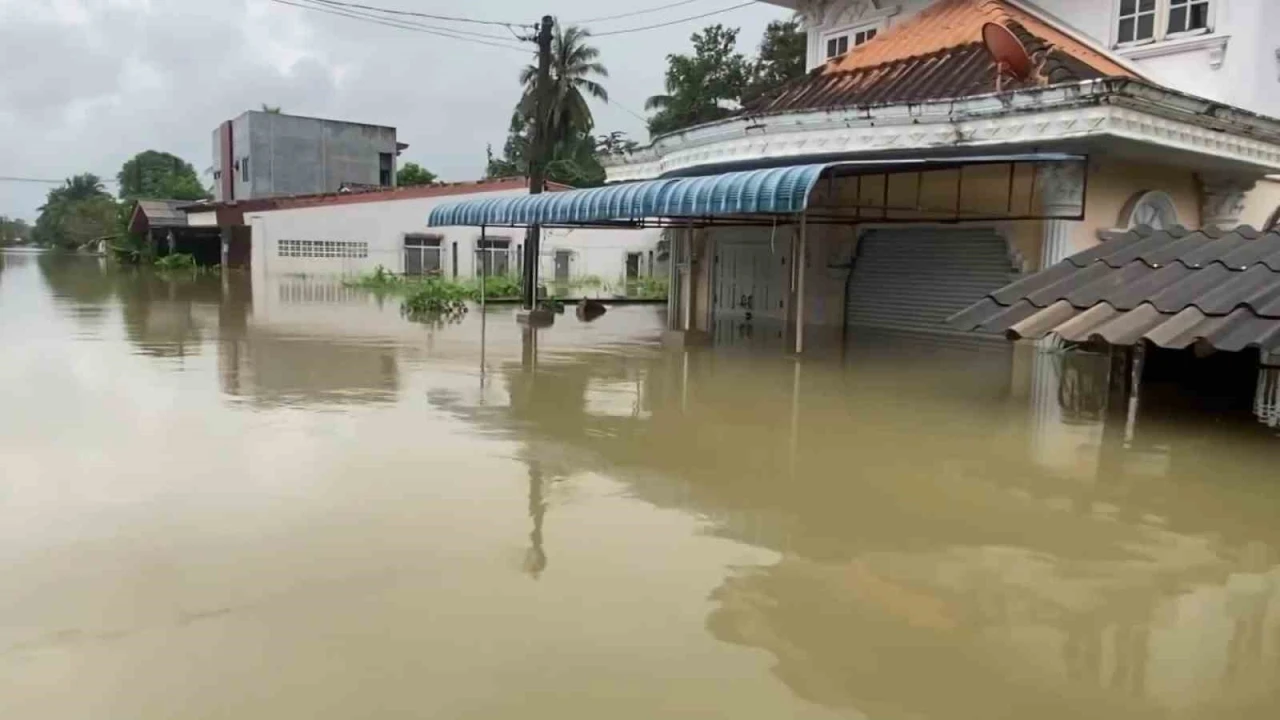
<point>1126,108</point>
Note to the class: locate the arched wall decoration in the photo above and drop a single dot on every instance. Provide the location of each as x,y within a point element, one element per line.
<point>1152,208</point>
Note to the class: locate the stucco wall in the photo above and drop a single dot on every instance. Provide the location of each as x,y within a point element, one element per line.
<point>383,226</point>
<point>300,155</point>
<point>1248,75</point>
<point>1112,184</point>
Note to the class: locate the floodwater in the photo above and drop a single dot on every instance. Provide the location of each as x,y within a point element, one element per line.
<point>219,501</point>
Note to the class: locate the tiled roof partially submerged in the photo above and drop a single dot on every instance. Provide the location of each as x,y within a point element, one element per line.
<point>939,54</point>
<point>1170,288</point>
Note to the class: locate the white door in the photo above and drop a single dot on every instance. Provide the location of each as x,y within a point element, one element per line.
<point>748,293</point>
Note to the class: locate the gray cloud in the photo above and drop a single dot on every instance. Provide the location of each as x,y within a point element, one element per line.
<point>88,83</point>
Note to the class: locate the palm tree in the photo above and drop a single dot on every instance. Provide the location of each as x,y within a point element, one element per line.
<point>82,187</point>
<point>574,64</point>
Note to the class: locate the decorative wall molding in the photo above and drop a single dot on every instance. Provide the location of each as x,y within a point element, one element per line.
<point>860,132</point>
<point>1061,187</point>
<point>1215,44</point>
<point>1222,199</point>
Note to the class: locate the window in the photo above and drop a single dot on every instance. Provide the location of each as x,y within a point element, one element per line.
<point>322,249</point>
<point>1144,21</point>
<point>1137,21</point>
<point>1188,16</point>
<point>838,44</point>
<point>244,169</point>
<point>423,254</point>
<point>495,255</point>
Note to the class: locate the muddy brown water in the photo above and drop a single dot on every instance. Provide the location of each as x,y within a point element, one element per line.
<point>220,501</point>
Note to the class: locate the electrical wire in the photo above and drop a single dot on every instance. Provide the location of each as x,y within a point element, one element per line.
<point>43,181</point>
<point>633,13</point>
<point>411,13</point>
<point>628,111</point>
<point>438,28</point>
<point>405,25</point>
<point>628,31</point>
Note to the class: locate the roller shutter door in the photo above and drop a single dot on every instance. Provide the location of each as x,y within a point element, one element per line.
<point>914,279</point>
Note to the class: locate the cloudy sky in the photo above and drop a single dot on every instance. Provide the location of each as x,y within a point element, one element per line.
<point>88,83</point>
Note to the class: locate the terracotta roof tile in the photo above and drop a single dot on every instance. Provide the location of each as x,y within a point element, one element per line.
<point>955,23</point>
<point>939,54</point>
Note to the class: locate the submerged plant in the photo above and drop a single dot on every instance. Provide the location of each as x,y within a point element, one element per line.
<point>380,280</point>
<point>176,262</point>
<point>650,288</point>
<point>434,298</point>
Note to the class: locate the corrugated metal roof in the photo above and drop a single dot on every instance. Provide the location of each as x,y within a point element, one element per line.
<point>164,213</point>
<point>770,191</point>
<point>939,54</point>
<point>1171,288</point>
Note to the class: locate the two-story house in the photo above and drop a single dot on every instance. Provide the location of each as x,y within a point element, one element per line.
<point>1222,50</point>
<point>263,154</point>
<point>1168,105</point>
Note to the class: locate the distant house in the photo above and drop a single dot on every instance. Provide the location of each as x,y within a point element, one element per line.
<point>267,154</point>
<point>164,225</point>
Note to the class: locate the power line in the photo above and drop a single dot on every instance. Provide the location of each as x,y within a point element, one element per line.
<point>410,13</point>
<point>674,22</point>
<point>44,181</point>
<point>335,5</point>
<point>633,13</point>
<point>405,25</point>
<point>392,22</point>
<point>628,111</point>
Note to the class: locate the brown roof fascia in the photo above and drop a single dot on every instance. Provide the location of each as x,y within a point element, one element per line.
<point>232,212</point>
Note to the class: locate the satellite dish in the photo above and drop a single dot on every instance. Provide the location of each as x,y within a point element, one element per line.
<point>1008,52</point>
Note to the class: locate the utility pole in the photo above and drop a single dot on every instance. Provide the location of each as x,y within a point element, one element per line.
<point>540,147</point>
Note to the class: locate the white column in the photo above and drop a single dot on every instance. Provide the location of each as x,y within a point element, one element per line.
<point>1061,194</point>
<point>1222,200</point>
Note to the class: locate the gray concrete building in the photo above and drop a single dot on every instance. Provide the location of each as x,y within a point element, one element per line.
<point>267,154</point>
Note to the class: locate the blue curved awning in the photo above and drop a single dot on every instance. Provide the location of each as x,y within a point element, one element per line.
<point>773,191</point>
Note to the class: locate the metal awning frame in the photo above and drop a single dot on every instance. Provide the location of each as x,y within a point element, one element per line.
<point>880,214</point>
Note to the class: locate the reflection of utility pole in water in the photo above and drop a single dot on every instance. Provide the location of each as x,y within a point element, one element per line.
<point>528,348</point>
<point>794,445</point>
<point>535,560</point>
<point>484,316</point>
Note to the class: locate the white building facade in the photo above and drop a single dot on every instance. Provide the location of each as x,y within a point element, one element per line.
<point>348,235</point>
<point>1223,50</point>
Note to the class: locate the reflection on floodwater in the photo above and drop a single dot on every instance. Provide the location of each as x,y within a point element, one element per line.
<point>360,505</point>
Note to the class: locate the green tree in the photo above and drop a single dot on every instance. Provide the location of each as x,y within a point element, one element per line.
<point>13,231</point>
<point>781,59</point>
<point>574,68</point>
<point>414,174</point>
<point>272,109</point>
<point>702,87</point>
<point>76,212</point>
<point>155,174</point>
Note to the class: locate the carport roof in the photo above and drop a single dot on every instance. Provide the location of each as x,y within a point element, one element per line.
<point>736,196</point>
<point>1172,288</point>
